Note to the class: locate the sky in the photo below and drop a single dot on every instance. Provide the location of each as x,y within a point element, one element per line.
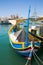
<point>20,7</point>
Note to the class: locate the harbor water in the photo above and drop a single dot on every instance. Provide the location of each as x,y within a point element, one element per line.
<point>8,56</point>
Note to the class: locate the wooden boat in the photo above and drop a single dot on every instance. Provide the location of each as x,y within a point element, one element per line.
<point>19,39</point>
<point>36,30</point>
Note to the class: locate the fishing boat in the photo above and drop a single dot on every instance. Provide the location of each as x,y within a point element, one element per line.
<point>20,41</point>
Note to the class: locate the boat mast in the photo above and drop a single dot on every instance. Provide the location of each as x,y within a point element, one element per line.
<point>27,27</point>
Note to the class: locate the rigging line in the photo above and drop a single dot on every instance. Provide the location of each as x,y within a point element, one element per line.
<point>27,62</point>
<point>38,57</point>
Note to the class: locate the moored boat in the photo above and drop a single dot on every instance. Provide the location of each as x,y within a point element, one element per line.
<point>19,39</point>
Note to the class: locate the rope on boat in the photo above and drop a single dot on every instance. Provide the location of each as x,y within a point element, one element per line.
<point>27,62</point>
<point>38,57</point>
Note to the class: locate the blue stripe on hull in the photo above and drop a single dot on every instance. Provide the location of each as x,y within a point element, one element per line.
<point>36,44</point>
<point>27,54</point>
<point>17,45</point>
